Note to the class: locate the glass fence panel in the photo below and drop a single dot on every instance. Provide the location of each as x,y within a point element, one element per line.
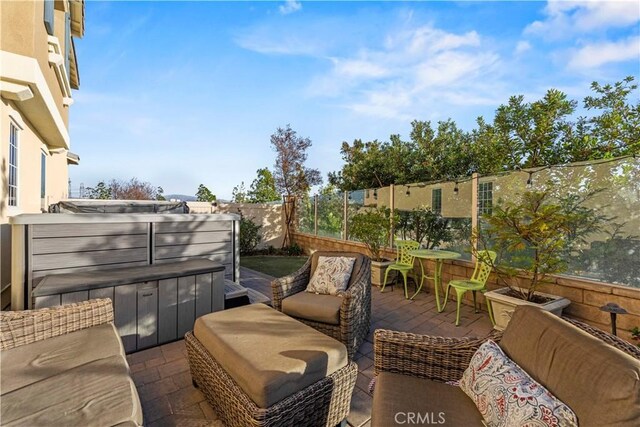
<point>438,215</point>
<point>305,214</point>
<point>366,200</point>
<point>457,207</point>
<point>330,214</point>
<point>355,204</point>
<point>605,199</point>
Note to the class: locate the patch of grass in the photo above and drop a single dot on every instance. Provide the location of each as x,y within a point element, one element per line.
<point>276,266</point>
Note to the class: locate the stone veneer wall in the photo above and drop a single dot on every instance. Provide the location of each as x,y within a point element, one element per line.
<point>587,296</point>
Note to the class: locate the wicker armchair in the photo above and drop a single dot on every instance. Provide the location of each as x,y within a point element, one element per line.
<point>412,369</point>
<point>445,359</point>
<point>434,358</point>
<point>355,306</point>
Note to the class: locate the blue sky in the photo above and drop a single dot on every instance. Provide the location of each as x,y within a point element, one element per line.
<point>183,93</point>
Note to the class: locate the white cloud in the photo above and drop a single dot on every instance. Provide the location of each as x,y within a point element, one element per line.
<point>359,68</point>
<point>415,69</point>
<point>287,45</point>
<point>430,39</point>
<point>290,6</point>
<point>598,54</point>
<point>565,18</point>
<point>296,38</point>
<point>522,47</point>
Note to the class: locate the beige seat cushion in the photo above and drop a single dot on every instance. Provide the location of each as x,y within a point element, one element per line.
<point>268,354</point>
<point>357,266</point>
<point>99,393</point>
<point>319,308</point>
<point>601,384</point>
<point>398,397</point>
<point>37,361</point>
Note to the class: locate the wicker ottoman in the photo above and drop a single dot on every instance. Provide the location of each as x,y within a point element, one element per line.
<point>259,367</point>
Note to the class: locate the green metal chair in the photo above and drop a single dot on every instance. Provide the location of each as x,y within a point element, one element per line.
<point>404,262</point>
<point>478,282</point>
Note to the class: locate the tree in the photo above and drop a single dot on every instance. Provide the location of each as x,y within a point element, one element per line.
<point>204,194</point>
<point>364,167</point>
<point>616,131</point>
<point>239,194</point>
<point>134,189</point>
<point>292,177</point>
<point>263,188</point>
<point>444,154</point>
<point>101,191</point>
<point>118,189</point>
<point>521,135</point>
<point>430,155</point>
<point>160,196</point>
<point>535,131</point>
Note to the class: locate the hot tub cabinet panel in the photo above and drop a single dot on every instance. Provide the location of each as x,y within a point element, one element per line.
<point>47,244</point>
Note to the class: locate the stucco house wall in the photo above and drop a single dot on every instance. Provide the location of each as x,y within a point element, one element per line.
<point>37,73</point>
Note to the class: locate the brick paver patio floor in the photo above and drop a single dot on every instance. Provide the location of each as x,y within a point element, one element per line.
<point>168,398</point>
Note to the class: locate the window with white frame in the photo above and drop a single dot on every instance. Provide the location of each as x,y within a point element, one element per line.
<point>13,164</point>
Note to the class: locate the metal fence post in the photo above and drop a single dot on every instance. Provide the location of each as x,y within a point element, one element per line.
<point>474,214</point>
<point>392,206</point>
<point>315,214</point>
<point>345,207</point>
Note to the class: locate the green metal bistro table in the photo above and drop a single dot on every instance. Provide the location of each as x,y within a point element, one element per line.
<point>438,256</point>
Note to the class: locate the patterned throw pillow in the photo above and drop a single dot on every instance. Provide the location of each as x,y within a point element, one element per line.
<point>507,396</point>
<point>331,276</point>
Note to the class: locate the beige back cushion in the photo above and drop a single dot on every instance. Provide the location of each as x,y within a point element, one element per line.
<point>357,266</point>
<point>600,383</point>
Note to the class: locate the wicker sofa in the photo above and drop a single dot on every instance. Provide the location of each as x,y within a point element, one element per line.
<point>346,317</point>
<point>596,374</point>
<point>65,366</point>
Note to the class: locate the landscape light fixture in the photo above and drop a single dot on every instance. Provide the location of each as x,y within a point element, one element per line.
<point>455,189</point>
<point>529,181</point>
<point>375,194</point>
<point>613,309</point>
<point>408,193</point>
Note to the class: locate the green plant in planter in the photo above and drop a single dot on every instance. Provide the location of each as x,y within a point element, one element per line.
<point>535,236</point>
<point>373,228</point>
<point>424,226</point>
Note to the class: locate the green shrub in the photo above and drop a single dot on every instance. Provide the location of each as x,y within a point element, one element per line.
<point>373,228</point>
<point>294,250</point>
<point>424,226</point>
<point>249,236</point>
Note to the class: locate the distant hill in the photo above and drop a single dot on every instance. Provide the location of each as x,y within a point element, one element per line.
<point>181,197</point>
